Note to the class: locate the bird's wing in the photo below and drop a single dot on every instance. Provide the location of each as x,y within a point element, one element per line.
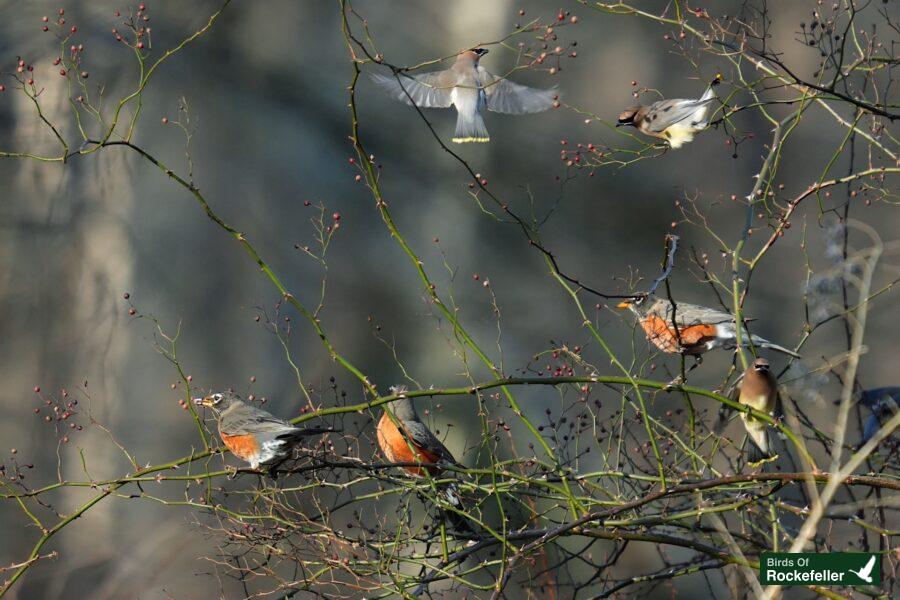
<point>428,90</point>
<point>691,314</point>
<point>665,113</point>
<point>870,428</point>
<point>422,437</point>
<point>725,410</point>
<point>504,96</point>
<point>866,570</point>
<point>254,420</point>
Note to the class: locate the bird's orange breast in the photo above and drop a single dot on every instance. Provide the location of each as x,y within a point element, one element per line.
<point>662,334</point>
<point>399,449</point>
<point>244,447</point>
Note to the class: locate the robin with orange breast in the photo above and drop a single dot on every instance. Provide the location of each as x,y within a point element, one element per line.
<point>254,435</point>
<point>699,329</point>
<point>412,441</point>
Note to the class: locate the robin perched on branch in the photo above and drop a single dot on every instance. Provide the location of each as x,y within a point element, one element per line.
<point>471,89</point>
<point>675,121</point>
<point>254,435</point>
<point>699,329</point>
<point>410,441</point>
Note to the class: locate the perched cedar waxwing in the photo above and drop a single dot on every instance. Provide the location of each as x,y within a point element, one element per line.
<point>470,88</point>
<point>254,435</point>
<point>883,402</point>
<point>758,390</point>
<point>675,121</point>
<point>699,328</point>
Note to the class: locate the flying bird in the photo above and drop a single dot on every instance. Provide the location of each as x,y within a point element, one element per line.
<point>675,121</point>
<point>866,572</point>
<point>254,435</point>
<point>758,390</point>
<point>471,89</point>
<point>699,329</point>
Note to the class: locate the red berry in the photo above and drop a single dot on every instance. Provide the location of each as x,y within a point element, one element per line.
<point>336,216</point>
<point>37,389</point>
<point>165,120</point>
<point>45,19</point>
<point>62,72</point>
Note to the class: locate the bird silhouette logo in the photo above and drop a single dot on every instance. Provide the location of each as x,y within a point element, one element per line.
<point>866,572</point>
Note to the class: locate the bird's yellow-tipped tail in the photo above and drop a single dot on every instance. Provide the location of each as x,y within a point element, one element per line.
<point>623,305</point>
<point>470,128</point>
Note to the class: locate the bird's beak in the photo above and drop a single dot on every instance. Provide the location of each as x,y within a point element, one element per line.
<point>207,401</point>
<point>623,305</point>
<point>620,123</point>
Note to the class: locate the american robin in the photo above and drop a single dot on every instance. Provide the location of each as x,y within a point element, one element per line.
<point>882,402</point>
<point>700,329</point>
<point>758,390</point>
<point>471,89</point>
<point>254,435</point>
<point>412,442</point>
<point>675,121</point>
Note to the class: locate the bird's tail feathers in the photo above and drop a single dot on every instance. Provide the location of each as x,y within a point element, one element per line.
<point>764,343</point>
<point>302,432</point>
<point>760,450</point>
<point>470,128</point>
<point>452,495</point>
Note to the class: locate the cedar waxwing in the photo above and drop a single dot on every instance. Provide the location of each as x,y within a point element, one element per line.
<point>758,390</point>
<point>699,328</point>
<point>470,88</point>
<point>882,402</point>
<point>675,121</point>
<point>254,435</point>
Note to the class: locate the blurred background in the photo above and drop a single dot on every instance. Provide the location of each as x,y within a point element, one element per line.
<point>267,90</point>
